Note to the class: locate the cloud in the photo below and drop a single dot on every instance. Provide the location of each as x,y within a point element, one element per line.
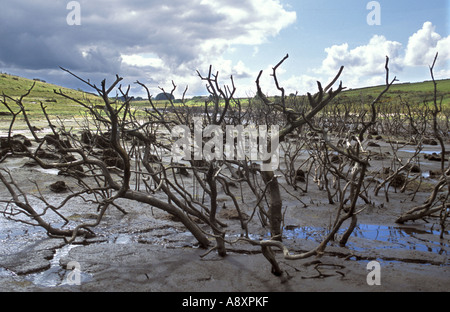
<point>364,65</point>
<point>423,45</point>
<point>117,36</point>
<point>142,60</point>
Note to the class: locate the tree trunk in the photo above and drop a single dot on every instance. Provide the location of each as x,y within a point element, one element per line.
<point>212,216</point>
<point>275,204</point>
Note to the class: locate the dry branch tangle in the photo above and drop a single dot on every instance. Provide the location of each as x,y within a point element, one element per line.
<point>121,155</point>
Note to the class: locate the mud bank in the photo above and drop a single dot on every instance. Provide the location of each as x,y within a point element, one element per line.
<point>138,267</point>
<point>154,254</point>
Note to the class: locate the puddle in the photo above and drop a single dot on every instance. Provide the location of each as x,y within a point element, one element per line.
<point>305,232</point>
<point>395,237</point>
<point>48,171</point>
<point>408,238</point>
<point>56,275</point>
<point>421,152</point>
<point>373,236</point>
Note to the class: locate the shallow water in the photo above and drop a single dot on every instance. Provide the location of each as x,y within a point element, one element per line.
<point>421,152</point>
<point>393,237</point>
<point>57,275</point>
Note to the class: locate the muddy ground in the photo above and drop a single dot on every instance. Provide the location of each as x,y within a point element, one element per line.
<point>145,250</point>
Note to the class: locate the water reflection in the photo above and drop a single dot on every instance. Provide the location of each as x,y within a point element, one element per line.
<point>397,237</point>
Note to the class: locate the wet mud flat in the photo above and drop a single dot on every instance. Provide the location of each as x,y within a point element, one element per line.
<point>129,263</point>
<point>146,250</point>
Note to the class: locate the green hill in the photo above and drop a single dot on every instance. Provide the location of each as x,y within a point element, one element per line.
<point>56,105</point>
<point>413,93</point>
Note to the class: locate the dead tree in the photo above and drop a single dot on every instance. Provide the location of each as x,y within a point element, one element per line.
<point>353,153</point>
<point>294,120</point>
<point>106,155</point>
<point>435,203</point>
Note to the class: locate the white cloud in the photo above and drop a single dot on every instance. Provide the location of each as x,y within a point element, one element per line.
<point>423,45</point>
<point>252,21</point>
<point>364,65</point>
<point>142,60</point>
<point>241,71</point>
<point>442,73</point>
<point>301,84</point>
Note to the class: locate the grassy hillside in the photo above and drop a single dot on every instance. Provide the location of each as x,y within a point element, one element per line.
<point>59,106</point>
<point>55,104</point>
<point>410,92</point>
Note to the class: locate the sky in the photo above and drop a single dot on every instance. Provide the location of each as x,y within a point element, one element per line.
<point>157,42</point>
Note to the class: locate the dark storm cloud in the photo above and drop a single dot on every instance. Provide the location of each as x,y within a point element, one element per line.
<point>183,34</point>
<point>37,34</point>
